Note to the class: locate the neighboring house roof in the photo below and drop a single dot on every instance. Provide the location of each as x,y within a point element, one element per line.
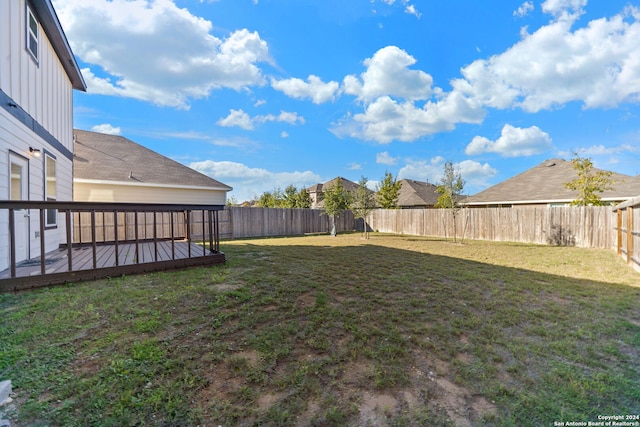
<point>417,193</point>
<point>318,189</point>
<point>545,183</point>
<point>52,28</point>
<point>102,157</point>
<point>346,184</point>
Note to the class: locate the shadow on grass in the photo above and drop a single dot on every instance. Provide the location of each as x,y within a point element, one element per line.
<point>321,331</point>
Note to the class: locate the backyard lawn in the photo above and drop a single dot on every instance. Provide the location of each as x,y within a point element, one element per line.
<point>322,331</point>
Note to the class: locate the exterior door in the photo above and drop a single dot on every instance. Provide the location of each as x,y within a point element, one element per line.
<point>19,190</point>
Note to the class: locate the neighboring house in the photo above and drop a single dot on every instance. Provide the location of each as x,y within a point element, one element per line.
<point>316,192</point>
<point>417,194</point>
<point>38,73</point>
<point>111,168</point>
<point>544,185</point>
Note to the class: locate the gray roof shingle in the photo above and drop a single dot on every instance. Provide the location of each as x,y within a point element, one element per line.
<point>103,157</point>
<point>545,183</point>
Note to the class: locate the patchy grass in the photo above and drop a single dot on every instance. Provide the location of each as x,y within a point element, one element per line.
<point>321,331</point>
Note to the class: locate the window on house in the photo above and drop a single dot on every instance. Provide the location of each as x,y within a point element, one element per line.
<point>51,190</point>
<point>32,34</point>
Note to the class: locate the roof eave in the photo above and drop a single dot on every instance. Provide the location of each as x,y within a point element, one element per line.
<point>150,184</point>
<point>51,25</point>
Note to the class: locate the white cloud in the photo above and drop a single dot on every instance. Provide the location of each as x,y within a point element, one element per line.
<point>388,74</point>
<point>598,65</point>
<point>241,119</point>
<point>384,158</point>
<point>284,134</point>
<point>250,182</point>
<point>564,7</point>
<point>513,142</point>
<point>236,118</point>
<point>157,52</point>
<point>107,128</point>
<point>386,120</point>
<point>411,10</point>
<point>314,88</point>
<point>353,166</point>
<point>475,174</point>
<point>524,9</point>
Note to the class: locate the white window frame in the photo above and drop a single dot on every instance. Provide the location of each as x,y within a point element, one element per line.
<point>51,217</point>
<point>31,35</point>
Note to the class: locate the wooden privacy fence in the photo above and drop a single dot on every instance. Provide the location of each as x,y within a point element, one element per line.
<point>591,226</point>
<point>240,222</point>
<point>628,231</point>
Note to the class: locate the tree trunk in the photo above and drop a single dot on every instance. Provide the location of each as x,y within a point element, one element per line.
<point>333,226</point>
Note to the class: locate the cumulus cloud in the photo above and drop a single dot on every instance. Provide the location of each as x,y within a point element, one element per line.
<point>475,174</point>
<point>248,182</point>
<point>241,119</point>
<point>564,7</point>
<point>388,74</point>
<point>598,65</point>
<point>384,158</point>
<point>513,142</point>
<point>314,88</point>
<point>107,128</point>
<point>386,120</point>
<point>157,52</point>
<point>524,9</point>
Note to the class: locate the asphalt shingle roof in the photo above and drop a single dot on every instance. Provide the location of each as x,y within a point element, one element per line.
<point>545,183</point>
<point>103,157</point>
<point>417,193</point>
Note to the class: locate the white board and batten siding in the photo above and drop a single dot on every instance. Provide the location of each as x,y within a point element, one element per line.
<point>113,191</point>
<point>43,90</point>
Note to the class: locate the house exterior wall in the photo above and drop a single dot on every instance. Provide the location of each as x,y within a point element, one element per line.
<point>36,111</point>
<point>131,193</point>
<point>42,89</point>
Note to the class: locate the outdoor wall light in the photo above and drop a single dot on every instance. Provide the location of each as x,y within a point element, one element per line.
<point>35,152</point>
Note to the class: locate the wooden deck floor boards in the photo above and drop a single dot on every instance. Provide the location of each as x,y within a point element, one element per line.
<point>82,257</point>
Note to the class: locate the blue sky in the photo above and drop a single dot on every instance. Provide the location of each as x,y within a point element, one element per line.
<point>260,94</point>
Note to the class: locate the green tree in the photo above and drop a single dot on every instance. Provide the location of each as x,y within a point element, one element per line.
<point>270,199</point>
<point>388,192</point>
<point>336,200</point>
<point>290,196</point>
<point>363,203</point>
<point>303,199</point>
<point>589,183</point>
<point>450,190</point>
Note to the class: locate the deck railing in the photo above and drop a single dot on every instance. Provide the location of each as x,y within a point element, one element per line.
<point>65,226</point>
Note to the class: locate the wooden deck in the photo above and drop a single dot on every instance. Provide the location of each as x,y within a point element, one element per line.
<point>132,258</point>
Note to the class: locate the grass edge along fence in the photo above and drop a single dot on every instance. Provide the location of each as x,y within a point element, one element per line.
<point>627,229</point>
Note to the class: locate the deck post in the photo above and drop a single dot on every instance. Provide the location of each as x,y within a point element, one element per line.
<point>210,219</point>
<point>173,240</point>
<point>12,242</point>
<point>155,236</point>
<point>137,260</point>
<point>69,241</point>
<point>204,234</point>
<point>42,252</point>
<point>188,220</point>
<point>115,236</point>
<point>93,238</point>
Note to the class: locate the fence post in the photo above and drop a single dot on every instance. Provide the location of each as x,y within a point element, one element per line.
<point>629,234</point>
